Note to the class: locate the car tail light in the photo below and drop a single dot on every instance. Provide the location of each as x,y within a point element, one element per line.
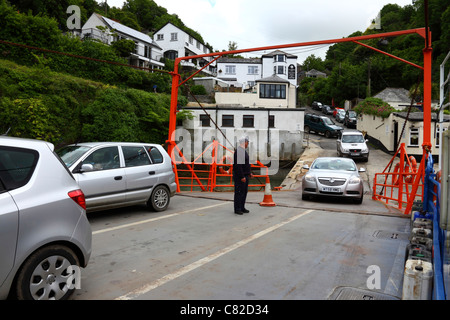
<point>78,197</point>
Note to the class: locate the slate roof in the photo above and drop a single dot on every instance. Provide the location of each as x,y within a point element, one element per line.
<point>394,95</point>
<point>128,31</point>
<point>273,78</point>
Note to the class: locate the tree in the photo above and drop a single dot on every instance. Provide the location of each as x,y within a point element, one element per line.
<point>313,62</point>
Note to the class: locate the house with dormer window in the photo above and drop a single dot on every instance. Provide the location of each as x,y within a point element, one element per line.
<point>147,53</point>
<point>177,43</point>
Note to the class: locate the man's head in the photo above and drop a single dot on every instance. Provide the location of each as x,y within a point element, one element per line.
<point>243,141</point>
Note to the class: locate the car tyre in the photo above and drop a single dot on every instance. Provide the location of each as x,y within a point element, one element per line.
<point>159,199</point>
<point>360,200</point>
<point>305,197</point>
<point>327,134</point>
<point>44,274</point>
<point>307,129</point>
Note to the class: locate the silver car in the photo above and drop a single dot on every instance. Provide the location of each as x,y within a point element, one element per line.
<point>334,177</point>
<point>118,174</point>
<point>44,233</point>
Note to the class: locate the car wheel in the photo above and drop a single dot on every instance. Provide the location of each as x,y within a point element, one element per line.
<point>360,200</point>
<point>44,275</point>
<point>160,198</point>
<point>305,197</point>
<point>306,129</point>
<point>327,134</point>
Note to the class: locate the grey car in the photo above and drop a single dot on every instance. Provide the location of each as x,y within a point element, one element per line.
<point>333,177</point>
<point>119,174</point>
<point>45,235</point>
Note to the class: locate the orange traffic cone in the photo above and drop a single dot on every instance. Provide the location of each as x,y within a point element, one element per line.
<point>267,201</point>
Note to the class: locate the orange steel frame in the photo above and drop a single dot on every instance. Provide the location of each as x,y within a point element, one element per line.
<point>427,60</point>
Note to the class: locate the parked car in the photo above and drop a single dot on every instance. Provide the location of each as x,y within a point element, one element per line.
<point>118,174</point>
<point>352,144</point>
<point>350,119</point>
<point>326,109</point>
<point>340,115</point>
<point>44,232</point>
<point>316,105</point>
<point>336,111</point>
<point>333,177</point>
<point>321,124</point>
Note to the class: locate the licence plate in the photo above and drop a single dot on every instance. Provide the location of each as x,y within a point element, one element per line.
<point>354,153</point>
<point>330,189</point>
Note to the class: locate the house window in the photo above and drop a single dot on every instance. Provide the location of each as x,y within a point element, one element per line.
<point>171,54</point>
<point>271,121</point>
<point>413,137</point>
<point>281,70</point>
<point>279,58</point>
<point>230,69</point>
<point>227,120</point>
<point>205,120</point>
<point>272,91</point>
<point>198,44</point>
<point>191,40</point>
<point>174,36</point>
<point>248,121</point>
<point>253,70</point>
<point>160,36</point>
<point>438,143</point>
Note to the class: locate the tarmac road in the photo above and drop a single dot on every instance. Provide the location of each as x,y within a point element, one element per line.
<point>298,250</point>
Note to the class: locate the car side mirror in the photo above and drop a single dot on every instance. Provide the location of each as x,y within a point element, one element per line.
<point>362,170</point>
<point>87,167</point>
<point>305,166</point>
<point>367,140</point>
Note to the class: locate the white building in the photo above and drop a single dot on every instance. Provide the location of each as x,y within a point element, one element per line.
<point>275,133</point>
<point>146,54</point>
<point>177,43</point>
<point>244,72</point>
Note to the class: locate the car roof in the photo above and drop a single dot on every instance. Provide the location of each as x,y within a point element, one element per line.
<point>96,144</point>
<point>24,142</point>
<point>353,132</point>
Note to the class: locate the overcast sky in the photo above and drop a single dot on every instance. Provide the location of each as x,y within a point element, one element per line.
<point>258,23</point>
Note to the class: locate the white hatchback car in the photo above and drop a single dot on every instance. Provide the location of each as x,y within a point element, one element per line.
<point>119,174</point>
<point>352,144</point>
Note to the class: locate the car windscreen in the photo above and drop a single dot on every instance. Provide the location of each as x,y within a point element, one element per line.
<point>70,154</point>
<point>352,114</point>
<point>334,164</point>
<point>356,138</point>
<point>328,121</point>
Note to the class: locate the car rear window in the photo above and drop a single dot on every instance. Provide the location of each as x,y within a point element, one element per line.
<point>16,166</point>
<point>156,156</point>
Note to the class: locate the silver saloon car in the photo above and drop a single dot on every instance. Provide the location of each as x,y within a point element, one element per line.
<point>119,174</point>
<point>45,236</point>
<point>333,177</point>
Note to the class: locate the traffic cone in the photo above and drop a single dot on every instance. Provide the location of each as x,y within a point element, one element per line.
<point>267,201</point>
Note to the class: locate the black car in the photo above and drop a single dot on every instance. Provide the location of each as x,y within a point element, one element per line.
<point>350,119</point>
<point>316,105</point>
<point>327,109</point>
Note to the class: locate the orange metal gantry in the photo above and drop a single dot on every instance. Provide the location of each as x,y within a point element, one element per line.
<point>427,60</point>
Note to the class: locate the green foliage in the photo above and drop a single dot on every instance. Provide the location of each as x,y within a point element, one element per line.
<point>39,103</point>
<point>198,90</point>
<point>374,106</point>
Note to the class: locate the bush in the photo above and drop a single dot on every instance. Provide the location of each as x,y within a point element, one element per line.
<point>375,106</point>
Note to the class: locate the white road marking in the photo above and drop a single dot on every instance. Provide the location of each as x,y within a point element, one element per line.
<point>169,277</point>
<point>153,219</point>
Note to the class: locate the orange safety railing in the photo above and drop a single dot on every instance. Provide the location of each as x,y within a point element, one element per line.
<point>402,185</point>
<point>197,175</point>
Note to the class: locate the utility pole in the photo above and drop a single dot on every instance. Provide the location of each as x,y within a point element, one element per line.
<point>368,80</point>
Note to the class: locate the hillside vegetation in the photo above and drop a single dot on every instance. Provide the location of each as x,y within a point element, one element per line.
<point>39,103</point>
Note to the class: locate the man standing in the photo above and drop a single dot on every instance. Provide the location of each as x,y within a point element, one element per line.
<point>241,175</point>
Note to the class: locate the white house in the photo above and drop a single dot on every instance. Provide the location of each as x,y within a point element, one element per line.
<point>177,43</point>
<point>146,54</point>
<point>244,72</point>
<point>386,133</point>
<point>275,133</point>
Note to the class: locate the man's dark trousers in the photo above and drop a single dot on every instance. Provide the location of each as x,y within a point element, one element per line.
<point>240,193</point>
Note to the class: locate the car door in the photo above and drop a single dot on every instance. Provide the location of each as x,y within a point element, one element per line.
<point>105,185</point>
<point>9,216</point>
<point>141,174</point>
